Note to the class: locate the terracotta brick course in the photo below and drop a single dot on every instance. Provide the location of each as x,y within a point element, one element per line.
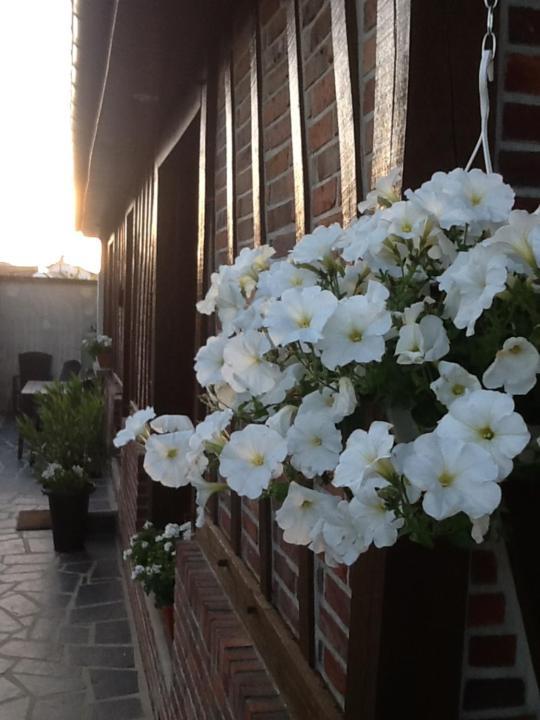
<point>492,651</point>
<point>486,609</point>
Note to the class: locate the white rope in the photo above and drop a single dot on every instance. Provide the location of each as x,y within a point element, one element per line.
<point>485,76</point>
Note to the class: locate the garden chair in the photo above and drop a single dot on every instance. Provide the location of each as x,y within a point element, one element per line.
<point>70,368</point>
<point>32,366</point>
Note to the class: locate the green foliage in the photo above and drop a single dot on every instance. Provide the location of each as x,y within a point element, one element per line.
<point>152,554</point>
<point>70,427</point>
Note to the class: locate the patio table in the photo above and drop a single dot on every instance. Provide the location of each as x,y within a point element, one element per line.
<point>34,387</point>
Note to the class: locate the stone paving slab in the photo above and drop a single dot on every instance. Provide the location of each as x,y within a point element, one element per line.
<point>66,645</point>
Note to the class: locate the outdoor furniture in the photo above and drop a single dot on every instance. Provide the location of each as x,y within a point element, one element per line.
<point>32,366</point>
<point>70,368</point>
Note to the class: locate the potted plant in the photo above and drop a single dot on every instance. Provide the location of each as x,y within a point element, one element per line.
<point>99,347</point>
<point>68,491</point>
<point>152,556</point>
<point>67,447</point>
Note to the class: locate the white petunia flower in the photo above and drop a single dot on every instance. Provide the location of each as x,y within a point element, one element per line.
<point>364,238</point>
<point>318,245</point>
<point>515,367</point>
<point>172,530</point>
<point>455,477</point>
<point>282,420</point>
<point>480,528</point>
<point>286,380</point>
<point>245,368</point>
<point>204,491</point>
<point>406,220</point>
<point>314,443</point>
<point>454,382</point>
<point>338,404</point>
<point>284,275</point>
<point>171,423</point>
<point>211,430</point>
<point>251,458</point>
<point>300,315</point>
<point>471,283</point>
<point>487,419</point>
<point>355,331</point>
<point>380,526</point>
<point>385,193</point>
<point>425,341</point>
<point>166,458</point>
<point>209,361</point>
<point>225,296</point>
<point>339,535</point>
<point>301,512</point>
<point>366,455</point>
<point>135,427</point>
<point>520,240</point>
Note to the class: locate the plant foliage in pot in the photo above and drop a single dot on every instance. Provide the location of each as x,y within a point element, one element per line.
<point>66,442</point>
<point>152,555</point>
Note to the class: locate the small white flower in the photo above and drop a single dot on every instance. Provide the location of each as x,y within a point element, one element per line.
<point>144,544</point>
<point>454,382</point>
<point>137,571</point>
<point>172,530</point>
<point>251,458</point>
<point>339,535</point>
<point>281,421</point>
<point>166,460</point>
<point>245,368</point>
<point>77,469</point>
<point>520,240</point>
<point>365,456</point>
<point>487,419</point>
<point>471,283</point>
<point>515,367</point>
<point>364,238</point>
<point>301,511</point>
<point>316,246</point>
<point>337,404</point>
<point>425,341</point>
<point>127,553</point>
<point>406,220</point>
<point>204,490</point>
<point>355,331</point>
<point>168,546</point>
<point>211,430</point>
<point>455,476</point>
<point>314,443</point>
<point>284,275</point>
<point>300,315</point>
<point>171,423</point>
<point>209,361</point>
<point>147,525</point>
<point>50,471</point>
<point>385,193</point>
<point>380,526</point>
<point>135,427</point>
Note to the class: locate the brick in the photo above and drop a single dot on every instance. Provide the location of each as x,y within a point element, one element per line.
<point>337,599</point>
<point>280,216</point>
<point>369,50</point>
<point>326,162</point>
<point>322,131</point>
<point>368,136</point>
<point>523,74</point>
<point>280,190</point>
<point>335,672</point>
<point>276,79</point>
<point>287,575</point>
<point>521,122</point>
<point>492,651</point>
<point>524,26</point>
<point>316,64</point>
<point>490,694</point>
<point>276,106</point>
<point>333,634</point>
<point>275,26</point>
<point>370,14</point>
<point>369,96</point>
<point>276,135</point>
<point>321,95</point>
<point>310,10</point>
<point>320,29</point>
<point>283,243</point>
<point>486,609</point>
<point>324,197</point>
<point>483,567</point>
<point>520,168</point>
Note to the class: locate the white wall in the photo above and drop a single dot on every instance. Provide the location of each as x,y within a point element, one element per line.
<point>47,315</point>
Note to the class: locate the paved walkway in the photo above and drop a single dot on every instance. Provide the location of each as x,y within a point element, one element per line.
<point>66,646</point>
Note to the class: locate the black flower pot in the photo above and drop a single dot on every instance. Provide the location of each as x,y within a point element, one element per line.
<point>69,513</point>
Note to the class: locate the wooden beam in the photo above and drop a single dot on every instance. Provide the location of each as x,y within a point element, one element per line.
<point>302,689</point>
<point>257,160</point>
<point>265,546</point>
<point>391,82</point>
<point>347,101</point>
<point>230,159</point>
<point>236,523</point>
<point>298,140</point>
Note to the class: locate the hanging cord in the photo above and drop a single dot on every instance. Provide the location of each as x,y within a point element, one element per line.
<point>485,75</point>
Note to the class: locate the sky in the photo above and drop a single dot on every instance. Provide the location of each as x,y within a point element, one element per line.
<point>36,168</point>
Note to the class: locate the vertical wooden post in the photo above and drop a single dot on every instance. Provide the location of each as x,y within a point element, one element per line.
<point>298,139</point>
<point>343,21</point>
<point>257,161</point>
<point>230,159</point>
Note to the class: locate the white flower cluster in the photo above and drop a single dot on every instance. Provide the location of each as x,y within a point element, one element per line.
<point>428,304</point>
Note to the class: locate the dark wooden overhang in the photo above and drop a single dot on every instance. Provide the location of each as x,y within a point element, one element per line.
<point>136,62</point>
